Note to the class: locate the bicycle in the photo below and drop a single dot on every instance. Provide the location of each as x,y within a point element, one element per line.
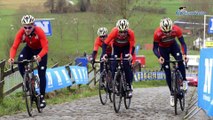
<point>120,88</point>
<point>105,83</point>
<point>30,86</point>
<point>176,83</point>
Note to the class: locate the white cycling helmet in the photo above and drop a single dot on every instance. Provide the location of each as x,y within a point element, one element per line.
<point>27,19</point>
<point>122,25</point>
<point>102,31</point>
<point>166,25</point>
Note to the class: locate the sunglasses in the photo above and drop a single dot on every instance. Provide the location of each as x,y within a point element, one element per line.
<point>168,31</point>
<point>122,31</point>
<point>30,27</point>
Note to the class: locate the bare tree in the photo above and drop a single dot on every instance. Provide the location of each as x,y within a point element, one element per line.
<point>84,5</point>
<point>50,5</point>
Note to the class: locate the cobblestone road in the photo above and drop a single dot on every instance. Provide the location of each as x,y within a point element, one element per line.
<point>147,104</point>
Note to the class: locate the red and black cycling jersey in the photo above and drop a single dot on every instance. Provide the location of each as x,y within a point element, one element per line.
<point>36,40</point>
<point>167,39</point>
<point>98,43</point>
<point>121,41</point>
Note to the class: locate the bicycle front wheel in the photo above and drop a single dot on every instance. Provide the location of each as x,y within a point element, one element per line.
<point>181,95</point>
<point>175,91</point>
<point>182,100</point>
<point>27,89</point>
<point>103,93</point>
<point>36,93</point>
<point>109,85</point>
<point>127,102</point>
<point>117,92</point>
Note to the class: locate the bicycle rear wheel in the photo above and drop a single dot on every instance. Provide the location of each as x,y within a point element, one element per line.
<point>117,92</point>
<point>103,93</point>
<point>27,89</point>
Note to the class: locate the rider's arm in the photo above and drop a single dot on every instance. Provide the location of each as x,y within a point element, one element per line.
<point>97,44</point>
<point>156,43</point>
<point>133,50</point>
<point>131,40</point>
<point>16,43</point>
<point>108,40</point>
<point>104,46</point>
<point>44,42</point>
<point>181,39</point>
<point>155,49</point>
<point>183,45</point>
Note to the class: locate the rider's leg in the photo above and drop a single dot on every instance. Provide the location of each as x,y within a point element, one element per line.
<point>165,54</point>
<point>114,64</point>
<point>127,67</point>
<point>24,54</point>
<point>176,53</point>
<point>101,64</point>
<point>42,76</point>
<point>178,56</point>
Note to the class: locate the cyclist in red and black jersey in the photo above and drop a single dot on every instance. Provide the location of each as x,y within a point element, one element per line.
<point>165,44</point>
<point>36,45</point>
<point>102,35</point>
<point>123,42</point>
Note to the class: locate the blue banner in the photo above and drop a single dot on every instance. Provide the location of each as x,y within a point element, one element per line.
<point>210,29</point>
<point>149,75</point>
<point>45,25</point>
<point>56,78</point>
<point>205,80</point>
<point>79,74</point>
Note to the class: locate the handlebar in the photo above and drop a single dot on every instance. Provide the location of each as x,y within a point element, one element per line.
<point>118,59</point>
<point>25,61</point>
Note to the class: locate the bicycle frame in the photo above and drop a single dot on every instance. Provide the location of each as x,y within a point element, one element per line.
<point>29,82</point>
<point>105,82</point>
<point>120,86</point>
<point>176,81</point>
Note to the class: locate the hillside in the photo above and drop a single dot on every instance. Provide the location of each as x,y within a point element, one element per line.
<point>74,33</point>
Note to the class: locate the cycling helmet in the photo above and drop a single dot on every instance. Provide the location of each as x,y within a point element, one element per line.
<point>122,25</point>
<point>166,25</point>
<point>102,31</point>
<point>27,19</point>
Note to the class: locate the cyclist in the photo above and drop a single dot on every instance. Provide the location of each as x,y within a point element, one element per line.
<point>36,45</point>
<point>102,35</point>
<point>165,44</point>
<point>123,42</point>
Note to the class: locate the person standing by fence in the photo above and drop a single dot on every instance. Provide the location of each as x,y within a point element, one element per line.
<point>36,45</point>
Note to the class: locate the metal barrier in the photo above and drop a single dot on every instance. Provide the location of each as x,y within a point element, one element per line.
<point>192,108</point>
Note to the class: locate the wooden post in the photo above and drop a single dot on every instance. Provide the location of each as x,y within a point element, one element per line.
<point>69,73</point>
<point>2,64</point>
